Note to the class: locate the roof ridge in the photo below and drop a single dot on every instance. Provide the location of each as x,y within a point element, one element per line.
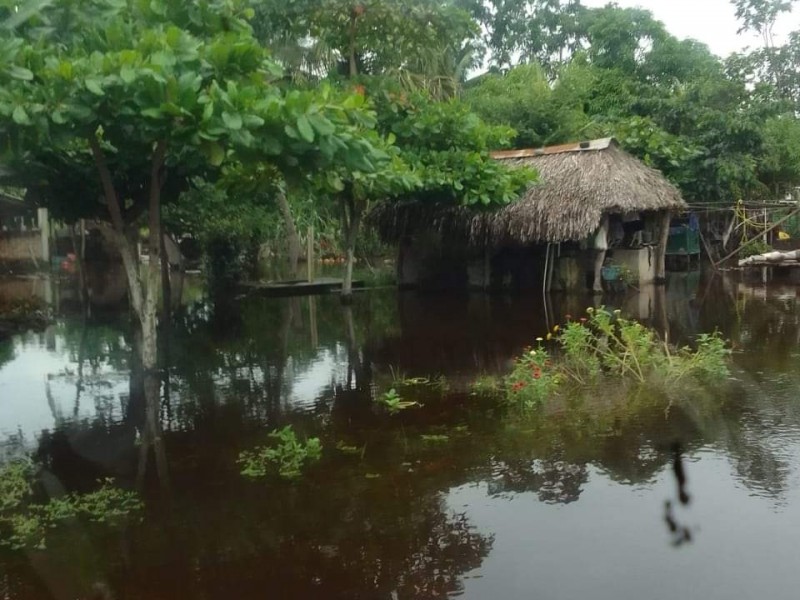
<point>584,146</point>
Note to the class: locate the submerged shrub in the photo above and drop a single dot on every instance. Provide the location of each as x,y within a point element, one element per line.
<point>393,402</point>
<point>607,345</point>
<point>288,456</point>
<point>532,380</point>
<point>24,523</point>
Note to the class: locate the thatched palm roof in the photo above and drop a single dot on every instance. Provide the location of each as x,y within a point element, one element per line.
<point>578,184</point>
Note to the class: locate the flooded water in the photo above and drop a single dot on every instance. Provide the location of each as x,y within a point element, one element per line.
<point>454,498</point>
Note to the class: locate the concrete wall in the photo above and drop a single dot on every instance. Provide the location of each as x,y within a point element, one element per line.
<point>29,247</point>
<point>21,246</point>
<point>641,261</point>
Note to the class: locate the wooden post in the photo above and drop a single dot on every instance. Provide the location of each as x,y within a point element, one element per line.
<point>43,219</point>
<point>310,254</point>
<point>600,248</point>
<point>599,259</point>
<point>771,228</point>
<point>312,321</point>
<point>661,249</point>
<point>487,267</point>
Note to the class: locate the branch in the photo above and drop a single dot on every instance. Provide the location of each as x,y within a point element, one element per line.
<point>112,201</point>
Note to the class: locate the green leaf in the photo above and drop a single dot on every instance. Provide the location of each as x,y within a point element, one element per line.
<point>232,120</point>
<point>291,132</point>
<point>322,125</point>
<point>215,153</point>
<point>93,85</point>
<point>128,74</point>
<point>252,121</point>
<point>20,116</point>
<point>208,111</point>
<point>335,182</point>
<point>20,73</point>
<point>271,145</point>
<point>153,113</point>
<point>304,128</point>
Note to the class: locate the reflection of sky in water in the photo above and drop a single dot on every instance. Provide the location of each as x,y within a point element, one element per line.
<point>24,382</point>
<point>617,544</point>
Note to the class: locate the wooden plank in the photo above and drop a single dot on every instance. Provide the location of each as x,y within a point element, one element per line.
<point>322,285</point>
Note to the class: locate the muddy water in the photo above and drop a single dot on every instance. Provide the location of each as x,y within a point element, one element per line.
<point>456,497</point>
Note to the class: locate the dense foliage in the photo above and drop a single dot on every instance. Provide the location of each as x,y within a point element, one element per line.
<point>720,129</point>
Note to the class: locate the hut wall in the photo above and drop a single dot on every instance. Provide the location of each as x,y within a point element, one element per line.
<point>641,261</point>
<point>424,261</point>
<point>570,274</point>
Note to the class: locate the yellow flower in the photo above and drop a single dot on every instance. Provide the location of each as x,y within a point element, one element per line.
<point>549,336</point>
<point>556,328</point>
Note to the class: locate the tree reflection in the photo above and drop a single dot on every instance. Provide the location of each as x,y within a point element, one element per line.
<point>374,523</point>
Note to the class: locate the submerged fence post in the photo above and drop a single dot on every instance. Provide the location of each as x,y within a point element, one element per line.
<point>310,253</point>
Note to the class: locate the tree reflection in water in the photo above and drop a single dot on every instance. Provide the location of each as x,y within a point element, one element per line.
<point>374,524</point>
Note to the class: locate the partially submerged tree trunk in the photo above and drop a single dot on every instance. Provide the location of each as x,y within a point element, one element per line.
<point>143,298</point>
<point>351,222</point>
<point>295,247</point>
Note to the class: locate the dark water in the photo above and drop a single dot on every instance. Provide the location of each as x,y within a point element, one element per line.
<point>565,504</point>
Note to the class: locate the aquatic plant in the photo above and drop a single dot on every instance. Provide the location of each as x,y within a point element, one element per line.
<point>24,523</point>
<point>288,456</point>
<point>392,401</point>
<point>486,385</point>
<point>533,378</point>
<point>605,344</point>
<point>435,438</point>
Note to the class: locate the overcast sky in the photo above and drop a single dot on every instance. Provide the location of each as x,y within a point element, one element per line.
<point>712,22</point>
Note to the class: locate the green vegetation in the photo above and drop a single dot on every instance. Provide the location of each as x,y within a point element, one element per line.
<point>606,348</point>
<point>19,315</point>
<point>25,522</point>
<point>393,403</point>
<point>288,456</point>
<point>486,385</point>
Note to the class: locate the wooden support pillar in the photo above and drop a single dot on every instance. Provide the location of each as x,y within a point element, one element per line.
<point>487,267</point>
<point>310,254</point>
<point>44,230</point>
<point>599,259</point>
<point>665,217</point>
<point>600,249</point>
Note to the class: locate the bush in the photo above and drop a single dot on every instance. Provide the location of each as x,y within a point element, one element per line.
<point>289,456</point>
<point>24,523</point>
<point>607,345</point>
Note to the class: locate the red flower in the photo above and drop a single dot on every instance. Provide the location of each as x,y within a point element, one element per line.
<point>536,375</point>
<point>583,319</point>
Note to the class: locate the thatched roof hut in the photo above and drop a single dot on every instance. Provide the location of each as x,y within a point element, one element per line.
<point>578,184</point>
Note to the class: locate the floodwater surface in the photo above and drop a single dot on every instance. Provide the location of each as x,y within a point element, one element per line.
<point>458,496</point>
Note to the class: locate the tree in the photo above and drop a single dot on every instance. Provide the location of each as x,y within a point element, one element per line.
<point>760,16</point>
<point>542,114</point>
<point>126,101</point>
<point>422,43</point>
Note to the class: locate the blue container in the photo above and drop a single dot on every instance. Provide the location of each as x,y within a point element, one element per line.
<point>610,273</point>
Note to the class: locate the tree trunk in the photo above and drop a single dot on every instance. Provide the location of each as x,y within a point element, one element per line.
<point>351,216</point>
<point>351,53</point>
<point>295,248</point>
<point>143,300</point>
